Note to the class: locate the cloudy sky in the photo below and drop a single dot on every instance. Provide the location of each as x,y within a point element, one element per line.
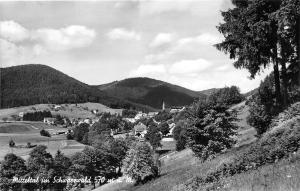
<point>102,41</point>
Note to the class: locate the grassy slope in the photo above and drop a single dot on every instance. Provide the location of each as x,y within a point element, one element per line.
<point>22,133</point>
<point>281,176</point>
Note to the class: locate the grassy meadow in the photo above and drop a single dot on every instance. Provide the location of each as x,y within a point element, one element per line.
<point>29,132</point>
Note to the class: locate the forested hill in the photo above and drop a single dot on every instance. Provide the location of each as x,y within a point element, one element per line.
<point>33,84</point>
<point>151,92</point>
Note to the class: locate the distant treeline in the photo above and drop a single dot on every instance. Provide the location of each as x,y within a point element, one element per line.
<point>36,116</point>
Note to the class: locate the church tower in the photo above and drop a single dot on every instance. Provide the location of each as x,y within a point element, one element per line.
<point>163,105</point>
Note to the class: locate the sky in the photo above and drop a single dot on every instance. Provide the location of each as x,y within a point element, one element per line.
<point>99,42</point>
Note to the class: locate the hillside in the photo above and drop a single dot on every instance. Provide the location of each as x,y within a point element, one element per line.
<point>35,84</point>
<point>81,110</point>
<point>208,91</point>
<point>150,92</point>
<point>181,171</point>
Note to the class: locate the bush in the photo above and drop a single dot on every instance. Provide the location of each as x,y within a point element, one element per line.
<point>164,128</point>
<point>258,117</point>
<point>179,134</point>
<point>226,96</point>
<point>181,142</point>
<point>11,143</point>
<point>263,106</point>
<point>289,113</point>
<point>129,113</point>
<point>163,116</point>
<point>154,136</point>
<point>45,133</point>
<point>69,136</point>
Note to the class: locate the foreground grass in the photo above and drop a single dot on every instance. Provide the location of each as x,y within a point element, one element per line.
<point>281,176</point>
<point>183,166</point>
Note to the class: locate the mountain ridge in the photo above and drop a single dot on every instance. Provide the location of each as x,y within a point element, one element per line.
<point>36,83</point>
<point>151,92</point>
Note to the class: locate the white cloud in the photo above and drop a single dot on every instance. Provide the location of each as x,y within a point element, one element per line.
<point>148,69</point>
<point>11,54</point>
<point>162,39</point>
<point>74,36</point>
<point>123,34</point>
<point>148,7</point>
<point>13,31</point>
<point>204,39</point>
<point>190,66</point>
<point>20,45</point>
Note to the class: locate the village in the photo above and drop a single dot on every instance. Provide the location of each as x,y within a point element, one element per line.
<point>139,129</point>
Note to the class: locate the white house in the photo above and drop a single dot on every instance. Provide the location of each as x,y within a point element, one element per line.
<point>152,114</point>
<point>131,120</point>
<point>171,129</point>
<point>49,120</point>
<point>140,115</point>
<point>177,109</point>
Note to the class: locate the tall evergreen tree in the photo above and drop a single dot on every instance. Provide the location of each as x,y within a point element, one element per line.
<point>251,37</point>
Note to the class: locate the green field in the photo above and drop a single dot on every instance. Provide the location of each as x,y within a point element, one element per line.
<point>22,133</point>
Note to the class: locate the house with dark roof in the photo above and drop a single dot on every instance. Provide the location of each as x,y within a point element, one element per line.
<point>140,130</point>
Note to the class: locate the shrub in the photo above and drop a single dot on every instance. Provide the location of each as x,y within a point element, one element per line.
<point>45,133</point>
<point>163,116</point>
<point>179,134</point>
<point>11,143</point>
<point>289,113</point>
<point>226,96</point>
<point>129,113</point>
<point>258,117</point>
<point>262,106</point>
<point>181,142</point>
<point>69,136</point>
<point>154,136</point>
<point>164,128</point>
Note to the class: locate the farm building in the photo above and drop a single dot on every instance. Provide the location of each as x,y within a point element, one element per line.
<point>49,120</point>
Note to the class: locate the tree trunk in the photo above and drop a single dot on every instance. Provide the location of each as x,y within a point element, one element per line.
<point>298,46</point>
<point>283,61</point>
<point>284,84</point>
<point>277,81</point>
